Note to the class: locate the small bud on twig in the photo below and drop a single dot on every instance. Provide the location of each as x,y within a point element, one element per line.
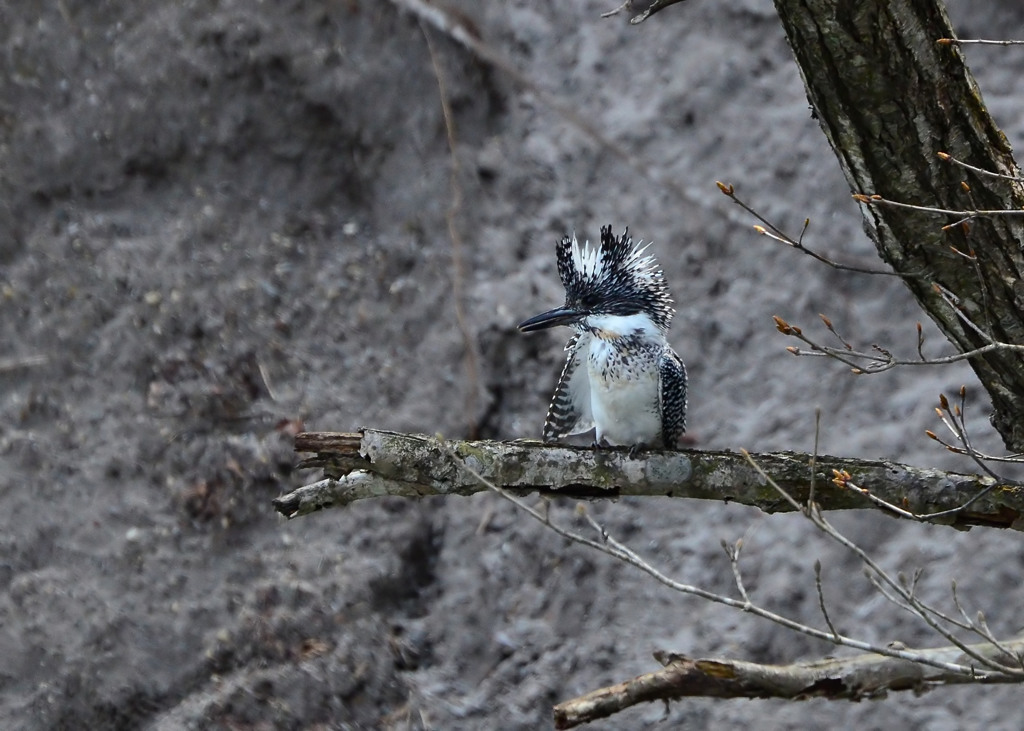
<point>840,478</point>
<point>726,189</point>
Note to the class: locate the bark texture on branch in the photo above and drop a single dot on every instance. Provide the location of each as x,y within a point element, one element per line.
<point>889,98</point>
<point>851,678</point>
<point>373,463</point>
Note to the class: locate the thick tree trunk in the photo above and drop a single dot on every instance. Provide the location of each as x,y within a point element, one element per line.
<point>889,98</point>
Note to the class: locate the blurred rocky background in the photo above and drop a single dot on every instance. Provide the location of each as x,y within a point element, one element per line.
<point>224,222</point>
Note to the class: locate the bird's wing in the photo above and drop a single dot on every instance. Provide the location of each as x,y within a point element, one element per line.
<point>569,412</point>
<point>673,398</point>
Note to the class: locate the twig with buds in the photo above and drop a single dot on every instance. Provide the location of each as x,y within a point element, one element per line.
<point>880,359</point>
<point>981,171</point>
<point>976,41</point>
<point>769,229</point>
<point>964,216</point>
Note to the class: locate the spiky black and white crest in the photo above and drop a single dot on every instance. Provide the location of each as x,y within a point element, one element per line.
<point>615,278</point>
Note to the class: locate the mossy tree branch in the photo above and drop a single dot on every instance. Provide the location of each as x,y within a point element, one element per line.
<point>373,463</point>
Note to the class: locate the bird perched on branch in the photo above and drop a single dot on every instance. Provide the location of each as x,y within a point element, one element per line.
<point>621,377</point>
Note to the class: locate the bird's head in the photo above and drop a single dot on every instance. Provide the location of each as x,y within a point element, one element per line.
<point>615,280</point>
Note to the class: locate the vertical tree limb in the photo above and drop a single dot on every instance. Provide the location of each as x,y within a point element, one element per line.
<point>889,98</point>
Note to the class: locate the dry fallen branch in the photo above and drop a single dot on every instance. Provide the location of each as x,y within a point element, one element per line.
<point>652,8</point>
<point>374,463</point>
<point>851,678</point>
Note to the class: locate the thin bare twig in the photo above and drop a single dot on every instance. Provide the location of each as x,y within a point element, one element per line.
<point>28,361</point>
<point>880,359</point>
<point>773,232</point>
<point>919,606</point>
<point>733,552</point>
<point>814,460</point>
<point>980,626</point>
<point>882,589</point>
<point>981,171</point>
<point>821,600</point>
<point>955,420</point>
<point>954,304</point>
<point>976,42</point>
<point>964,215</point>
<point>458,269</point>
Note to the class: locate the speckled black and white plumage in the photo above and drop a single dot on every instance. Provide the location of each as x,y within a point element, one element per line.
<point>614,278</point>
<point>673,398</point>
<point>569,412</point>
<point>621,377</point>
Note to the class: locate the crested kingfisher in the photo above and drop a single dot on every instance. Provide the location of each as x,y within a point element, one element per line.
<point>621,377</point>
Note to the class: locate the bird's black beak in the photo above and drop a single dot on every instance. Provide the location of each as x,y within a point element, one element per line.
<point>551,318</point>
